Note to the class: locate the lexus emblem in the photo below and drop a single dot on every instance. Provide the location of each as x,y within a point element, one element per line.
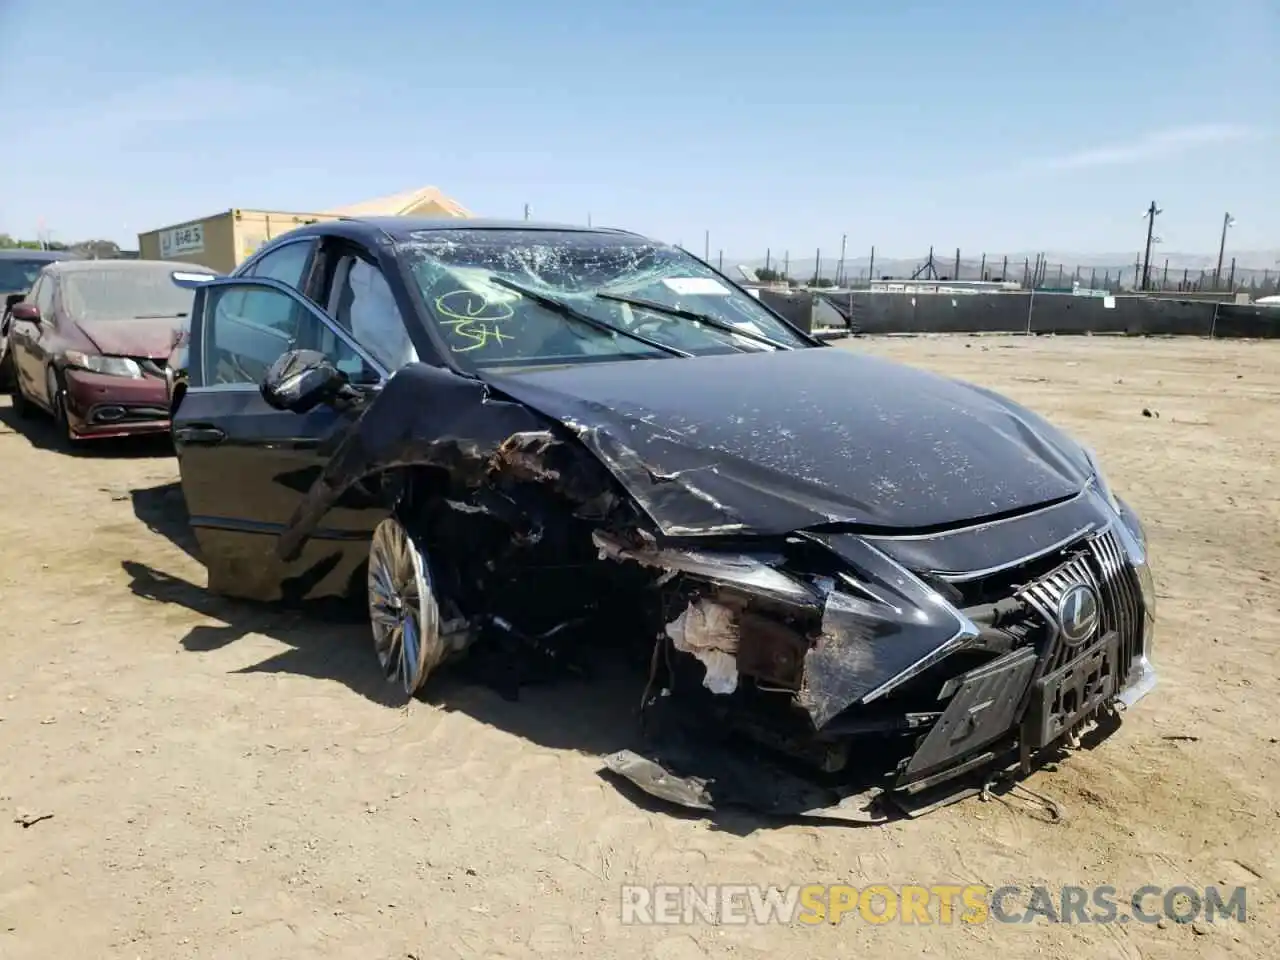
<point>1078,614</point>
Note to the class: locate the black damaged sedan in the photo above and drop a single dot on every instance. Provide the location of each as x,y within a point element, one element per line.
<point>839,577</point>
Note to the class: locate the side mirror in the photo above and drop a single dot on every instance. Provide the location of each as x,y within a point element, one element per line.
<point>301,380</point>
<point>25,311</point>
<point>13,299</point>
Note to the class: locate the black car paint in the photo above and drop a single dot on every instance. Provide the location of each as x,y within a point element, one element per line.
<point>237,523</point>
<point>881,466</point>
<point>772,442</point>
<point>742,468</point>
<point>429,417</point>
<point>246,465</point>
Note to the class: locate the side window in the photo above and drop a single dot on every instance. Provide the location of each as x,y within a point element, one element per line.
<point>34,291</point>
<point>42,296</point>
<point>246,330</point>
<point>363,304</point>
<point>286,264</point>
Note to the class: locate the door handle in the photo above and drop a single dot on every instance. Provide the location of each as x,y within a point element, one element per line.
<point>206,435</point>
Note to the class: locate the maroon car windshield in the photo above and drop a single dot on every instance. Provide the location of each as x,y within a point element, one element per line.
<point>120,292</point>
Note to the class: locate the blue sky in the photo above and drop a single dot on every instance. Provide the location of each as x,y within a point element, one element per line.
<point>1000,126</point>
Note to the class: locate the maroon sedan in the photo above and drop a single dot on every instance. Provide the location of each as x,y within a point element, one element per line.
<point>89,345</point>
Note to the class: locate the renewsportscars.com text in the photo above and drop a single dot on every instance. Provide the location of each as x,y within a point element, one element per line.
<point>939,904</point>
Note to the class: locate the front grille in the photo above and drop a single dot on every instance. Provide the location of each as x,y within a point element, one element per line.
<point>1101,565</point>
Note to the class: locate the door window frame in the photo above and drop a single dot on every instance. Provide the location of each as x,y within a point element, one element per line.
<point>196,345</point>
<point>250,267</point>
<point>345,254</point>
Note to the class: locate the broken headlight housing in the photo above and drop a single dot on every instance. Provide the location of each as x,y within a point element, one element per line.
<point>730,569</point>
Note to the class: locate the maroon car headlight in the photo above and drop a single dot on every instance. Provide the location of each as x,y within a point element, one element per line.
<point>108,366</point>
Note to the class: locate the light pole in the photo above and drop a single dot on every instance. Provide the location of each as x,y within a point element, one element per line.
<point>1227,221</point>
<point>1152,212</point>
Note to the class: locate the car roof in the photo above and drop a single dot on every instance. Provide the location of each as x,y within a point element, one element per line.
<point>401,229</point>
<point>122,266</point>
<point>49,256</point>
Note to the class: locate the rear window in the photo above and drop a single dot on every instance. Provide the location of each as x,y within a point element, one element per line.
<point>133,293</point>
<point>18,275</point>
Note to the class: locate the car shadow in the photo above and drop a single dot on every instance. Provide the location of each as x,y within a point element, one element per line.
<point>163,510</point>
<point>331,641</point>
<point>39,431</point>
<point>592,709</point>
<point>595,712</point>
<point>325,642</point>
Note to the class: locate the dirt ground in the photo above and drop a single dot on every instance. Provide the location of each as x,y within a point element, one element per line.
<point>231,781</point>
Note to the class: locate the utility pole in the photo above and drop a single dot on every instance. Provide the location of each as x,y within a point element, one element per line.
<point>844,237</point>
<point>1152,212</point>
<point>526,211</point>
<point>706,246</point>
<point>1222,248</point>
<point>588,218</point>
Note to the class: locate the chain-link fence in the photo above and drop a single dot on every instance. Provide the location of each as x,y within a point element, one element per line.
<point>1024,271</point>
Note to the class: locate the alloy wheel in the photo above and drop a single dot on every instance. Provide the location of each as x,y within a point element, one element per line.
<point>403,609</point>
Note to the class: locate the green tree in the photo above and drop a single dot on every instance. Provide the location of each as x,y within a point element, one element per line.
<point>97,249</point>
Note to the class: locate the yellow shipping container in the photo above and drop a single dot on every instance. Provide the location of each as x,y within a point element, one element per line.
<point>223,241</point>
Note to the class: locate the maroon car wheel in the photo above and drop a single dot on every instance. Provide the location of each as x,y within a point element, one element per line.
<point>58,405</point>
<point>21,405</point>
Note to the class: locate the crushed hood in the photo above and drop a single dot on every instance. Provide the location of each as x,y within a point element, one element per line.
<point>771,442</point>
<point>133,338</point>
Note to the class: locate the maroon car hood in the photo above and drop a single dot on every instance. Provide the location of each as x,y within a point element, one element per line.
<point>133,338</point>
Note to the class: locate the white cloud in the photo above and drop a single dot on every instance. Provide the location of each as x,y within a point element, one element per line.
<point>1154,146</point>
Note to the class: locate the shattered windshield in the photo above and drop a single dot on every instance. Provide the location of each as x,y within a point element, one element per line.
<point>602,275</point>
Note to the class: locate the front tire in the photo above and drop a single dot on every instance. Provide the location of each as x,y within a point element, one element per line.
<point>403,607</point>
<point>58,404</point>
<point>21,405</point>
<point>8,379</point>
